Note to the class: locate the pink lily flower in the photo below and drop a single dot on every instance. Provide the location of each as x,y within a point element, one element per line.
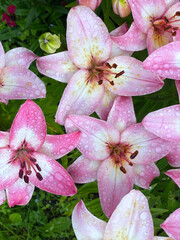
<point>159,20</point>
<point>175,175</point>
<point>121,8</point>
<point>131,220</point>
<point>172,225</point>
<point>93,4</point>
<point>92,73</point>
<point>17,82</point>
<point>27,157</point>
<point>118,153</point>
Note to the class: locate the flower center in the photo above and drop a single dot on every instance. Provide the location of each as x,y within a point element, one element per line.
<point>165,25</point>
<point>121,154</point>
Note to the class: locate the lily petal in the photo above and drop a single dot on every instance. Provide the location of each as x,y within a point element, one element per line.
<point>172,225</point>
<point>169,3</point>
<point>85,225</point>
<point>95,136</point>
<point>2,56</point>
<point>113,184</point>
<point>80,96</point>
<point>178,88</point>
<point>173,156</point>
<point>29,127</point>
<point>2,197</point>
<point>165,61</point>
<point>144,174</point>
<point>4,139</point>
<point>164,123</point>
<point>84,170</point>
<point>122,113</point>
<point>20,56</point>
<point>131,220</point>
<point>162,238</point>
<point>87,37</point>
<point>20,193</point>
<point>134,80</point>
<point>175,175</point>
<point>20,83</point>
<point>171,14</point>
<point>56,146</point>
<point>58,66</point>
<point>55,178</point>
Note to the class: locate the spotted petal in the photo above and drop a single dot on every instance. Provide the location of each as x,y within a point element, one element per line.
<point>29,127</point>
<point>175,175</point>
<point>87,37</point>
<point>131,220</point>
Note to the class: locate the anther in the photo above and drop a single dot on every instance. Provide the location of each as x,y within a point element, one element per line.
<point>166,28</point>
<point>26,179</point>
<point>21,173</point>
<point>175,28</point>
<point>108,65</point>
<point>23,164</point>
<point>39,176</point>
<point>166,20</point>
<point>119,74</point>
<point>174,34</point>
<point>38,167</point>
<point>130,164</point>
<point>112,83</point>
<point>33,159</point>
<point>123,169</point>
<point>134,154</point>
<point>177,13</point>
<point>114,65</point>
<point>29,172</point>
<point>100,82</point>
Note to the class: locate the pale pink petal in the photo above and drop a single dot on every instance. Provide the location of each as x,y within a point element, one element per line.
<point>171,15</point>
<point>2,56</point>
<point>9,171</point>
<point>119,31</point>
<point>87,37</point>
<point>175,175</point>
<point>144,174</point>
<point>164,123</point>
<point>162,238</point>
<point>2,197</point>
<point>178,88</point>
<point>55,178</point>
<point>93,4</point>
<point>4,101</point>
<point>4,139</point>
<point>145,11</point>
<point>84,170</point>
<point>113,184</point>
<point>169,3</point>
<point>156,40</point>
<point>165,61</point>
<point>177,37</point>
<point>20,83</point>
<point>29,127</point>
<point>122,113</point>
<point>135,80</point>
<point>58,66</point>
<point>150,147</point>
<point>173,157</point>
<point>105,105</point>
<point>131,220</point>
<point>80,96</point>
<point>172,225</point>
<point>20,193</point>
<point>20,56</point>
<point>95,136</point>
<point>132,40</point>
<point>56,146</point>
<point>85,225</point>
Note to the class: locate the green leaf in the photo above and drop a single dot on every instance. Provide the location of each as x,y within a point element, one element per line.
<point>15,218</point>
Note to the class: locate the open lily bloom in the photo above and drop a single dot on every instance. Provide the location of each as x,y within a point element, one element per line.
<point>131,220</point>
<point>93,73</point>
<point>16,81</point>
<point>27,157</point>
<point>118,153</point>
<point>158,19</point>
<point>93,4</point>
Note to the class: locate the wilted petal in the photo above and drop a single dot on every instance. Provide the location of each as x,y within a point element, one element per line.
<point>20,83</point>
<point>164,123</point>
<point>150,147</point>
<point>145,11</point>
<point>20,193</point>
<point>29,127</point>
<point>55,178</point>
<point>85,225</point>
<point>122,113</point>
<point>2,56</point>
<point>58,66</point>
<point>87,37</point>
<point>135,80</point>
<point>131,220</point>
<point>175,175</point>
<point>132,40</point>
<point>173,157</point>
<point>2,197</point>
<point>4,139</point>
<point>144,174</point>
<point>84,170</point>
<point>80,96</point>
<point>95,136</point>
<point>172,225</point>
<point>165,61</point>
<point>113,184</point>
<point>20,56</point>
